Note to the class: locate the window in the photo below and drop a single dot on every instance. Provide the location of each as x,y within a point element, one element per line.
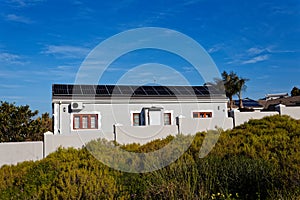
<point>136,119</point>
<point>167,118</point>
<point>202,114</point>
<point>76,122</point>
<point>85,121</point>
<point>93,122</point>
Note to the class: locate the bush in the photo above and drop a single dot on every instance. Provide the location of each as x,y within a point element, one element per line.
<point>257,160</point>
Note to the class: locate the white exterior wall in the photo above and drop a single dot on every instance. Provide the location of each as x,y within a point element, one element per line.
<point>293,111</point>
<point>12,153</point>
<point>121,113</point>
<point>242,117</point>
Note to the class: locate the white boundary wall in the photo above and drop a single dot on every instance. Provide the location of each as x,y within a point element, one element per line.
<point>53,142</point>
<point>192,126</point>
<point>143,134</point>
<point>242,117</point>
<point>15,152</point>
<point>292,111</point>
<point>12,153</point>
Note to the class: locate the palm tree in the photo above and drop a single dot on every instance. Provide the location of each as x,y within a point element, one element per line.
<point>230,84</point>
<point>241,86</point>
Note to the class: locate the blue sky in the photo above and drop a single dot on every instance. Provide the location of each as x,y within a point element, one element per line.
<point>45,41</point>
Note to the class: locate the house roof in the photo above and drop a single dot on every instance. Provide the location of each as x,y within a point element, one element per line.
<point>277,95</point>
<point>288,101</point>
<point>249,103</point>
<point>66,90</point>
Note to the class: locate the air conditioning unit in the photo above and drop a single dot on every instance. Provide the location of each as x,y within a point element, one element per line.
<point>76,105</point>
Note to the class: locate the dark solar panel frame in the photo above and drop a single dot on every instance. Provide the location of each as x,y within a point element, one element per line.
<point>109,90</point>
<point>197,91</point>
<point>101,90</point>
<point>60,89</point>
<point>76,90</point>
<point>161,90</point>
<point>150,91</point>
<point>202,90</point>
<point>173,90</point>
<point>126,90</point>
<point>139,91</point>
<point>182,91</point>
<point>116,90</point>
<point>88,89</point>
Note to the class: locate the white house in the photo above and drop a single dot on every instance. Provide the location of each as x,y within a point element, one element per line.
<point>137,113</point>
<point>276,96</point>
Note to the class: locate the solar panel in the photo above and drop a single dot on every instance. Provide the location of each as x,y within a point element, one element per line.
<point>113,89</point>
<point>60,89</point>
<point>101,90</point>
<point>214,90</point>
<point>76,89</point>
<point>202,90</point>
<point>126,90</point>
<point>139,91</point>
<point>173,90</point>
<point>88,89</point>
<point>149,90</point>
<point>181,90</point>
<point>108,90</point>
<point>70,88</point>
<point>189,89</point>
<point>169,90</point>
<point>197,91</point>
<point>162,90</point>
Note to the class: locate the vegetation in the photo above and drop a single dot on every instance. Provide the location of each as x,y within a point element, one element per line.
<point>232,84</point>
<point>295,92</point>
<point>19,123</point>
<point>257,160</point>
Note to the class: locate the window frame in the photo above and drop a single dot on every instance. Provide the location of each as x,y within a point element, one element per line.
<point>170,118</point>
<point>89,117</point>
<point>202,114</point>
<point>133,118</point>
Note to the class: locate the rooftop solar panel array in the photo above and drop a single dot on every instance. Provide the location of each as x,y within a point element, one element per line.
<point>124,90</point>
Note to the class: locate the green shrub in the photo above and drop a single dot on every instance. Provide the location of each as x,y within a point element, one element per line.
<point>257,160</point>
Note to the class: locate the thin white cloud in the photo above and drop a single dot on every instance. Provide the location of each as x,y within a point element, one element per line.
<point>216,48</point>
<point>255,51</point>
<point>7,86</point>
<point>59,72</point>
<point>256,59</point>
<point>116,69</point>
<point>12,98</point>
<point>18,18</point>
<point>191,2</point>
<point>24,3</point>
<point>187,69</point>
<point>9,58</point>
<point>257,54</point>
<point>66,51</point>
<point>270,49</point>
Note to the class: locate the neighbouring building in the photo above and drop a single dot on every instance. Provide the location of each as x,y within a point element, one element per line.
<point>276,96</point>
<point>287,101</point>
<point>249,104</point>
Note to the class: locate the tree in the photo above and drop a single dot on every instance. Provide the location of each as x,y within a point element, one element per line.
<point>241,86</point>
<point>295,92</point>
<point>230,84</point>
<point>18,123</point>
